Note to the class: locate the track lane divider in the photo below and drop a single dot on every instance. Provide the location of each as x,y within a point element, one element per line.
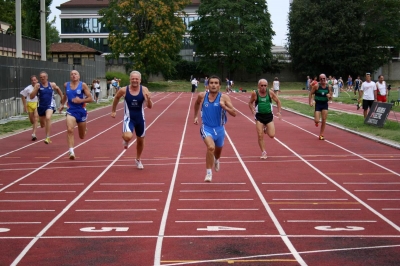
<point>160,238</point>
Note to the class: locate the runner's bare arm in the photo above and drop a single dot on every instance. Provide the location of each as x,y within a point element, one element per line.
<point>253,98</point>
<point>121,92</point>
<point>197,104</point>
<point>147,97</point>
<point>277,101</point>
<point>34,91</point>
<point>227,105</point>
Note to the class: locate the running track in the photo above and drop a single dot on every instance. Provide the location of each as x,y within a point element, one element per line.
<point>333,202</point>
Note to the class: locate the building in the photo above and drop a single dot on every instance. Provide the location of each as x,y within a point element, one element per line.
<point>72,53</point>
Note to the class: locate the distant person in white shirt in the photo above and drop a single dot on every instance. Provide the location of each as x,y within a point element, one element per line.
<point>367,93</point>
<point>275,86</point>
<point>97,91</point>
<point>194,84</point>
<point>30,105</point>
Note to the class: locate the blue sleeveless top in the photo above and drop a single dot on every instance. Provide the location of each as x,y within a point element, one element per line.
<point>45,95</point>
<point>212,114</point>
<point>71,94</point>
<point>133,107</point>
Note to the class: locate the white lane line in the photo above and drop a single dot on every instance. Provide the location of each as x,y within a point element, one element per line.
<point>297,190</point>
<point>391,209</point>
<point>320,209</point>
<point>54,184</point>
<point>282,232</point>
<point>31,200</point>
<point>128,191</point>
<point>130,184</point>
<point>383,199</point>
<point>111,222</point>
<point>117,210</point>
<point>330,221</point>
<point>123,200</point>
<point>161,232</point>
<point>39,192</point>
<point>215,190</point>
<point>27,210</point>
<point>216,199</point>
<point>309,199</point>
<point>55,219</point>
<point>20,222</point>
<point>377,190</point>
<point>213,183</point>
<point>218,209</point>
<point>229,221</point>
<point>371,183</point>
<point>294,183</point>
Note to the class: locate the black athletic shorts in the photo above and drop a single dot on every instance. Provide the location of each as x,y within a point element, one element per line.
<point>320,105</point>
<point>264,118</point>
<point>367,104</point>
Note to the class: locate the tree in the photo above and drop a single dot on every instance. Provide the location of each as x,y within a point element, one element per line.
<point>236,34</point>
<point>7,13</point>
<point>52,35</point>
<point>148,32</point>
<point>31,21</point>
<point>341,37</point>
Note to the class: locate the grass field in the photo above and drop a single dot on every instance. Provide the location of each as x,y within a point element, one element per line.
<point>389,131</point>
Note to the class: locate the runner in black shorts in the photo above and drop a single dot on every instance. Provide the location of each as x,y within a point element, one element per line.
<point>323,93</point>
<point>260,105</point>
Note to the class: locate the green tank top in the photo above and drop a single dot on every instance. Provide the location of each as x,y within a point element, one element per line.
<point>320,94</point>
<point>263,104</point>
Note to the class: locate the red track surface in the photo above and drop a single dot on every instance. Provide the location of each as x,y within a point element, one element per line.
<point>333,202</point>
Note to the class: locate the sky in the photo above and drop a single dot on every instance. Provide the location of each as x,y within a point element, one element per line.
<point>278,9</point>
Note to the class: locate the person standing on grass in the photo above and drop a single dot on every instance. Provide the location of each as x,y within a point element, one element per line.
<point>214,106</point>
<point>260,105</point>
<point>44,90</point>
<point>78,94</point>
<point>381,90</point>
<point>136,97</point>
<point>323,93</point>
<point>30,105</point>
<point>368,94</point>
<point>275,86</point>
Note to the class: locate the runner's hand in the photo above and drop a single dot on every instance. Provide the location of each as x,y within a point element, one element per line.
<point>196,121</point>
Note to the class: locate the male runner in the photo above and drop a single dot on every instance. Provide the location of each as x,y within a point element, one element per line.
<point>44,90</point>
<point>77,93</point>
<point>260,105</point>
<point>30,105</point>
<point>136,97</point>
<point>214,106</point>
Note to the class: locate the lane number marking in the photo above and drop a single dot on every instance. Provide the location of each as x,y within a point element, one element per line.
<point>221,228</point>
<point>104,229</point>
<point>348,228</point>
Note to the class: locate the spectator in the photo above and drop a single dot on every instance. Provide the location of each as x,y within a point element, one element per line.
<point>10,30</point>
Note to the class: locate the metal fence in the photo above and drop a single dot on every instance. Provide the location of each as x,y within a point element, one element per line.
<point>30,47</point>
<point>15,75</point>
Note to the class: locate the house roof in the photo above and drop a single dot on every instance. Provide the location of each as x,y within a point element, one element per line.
<point>100,3</point>
<point>70,47</point>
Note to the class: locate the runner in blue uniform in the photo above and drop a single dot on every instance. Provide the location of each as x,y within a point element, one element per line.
<point>136,97</point>
<point>44,90</point>
<point>78,94</point>
<point>214,106</point>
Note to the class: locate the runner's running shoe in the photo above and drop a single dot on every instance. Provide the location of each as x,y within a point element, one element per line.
<point>208,178</point>
<point>264,155</point>
<point>71,156</point>
<point>47,140</point>
<point>321,137</point>
<point>216,165</point>
<point>139,164</point>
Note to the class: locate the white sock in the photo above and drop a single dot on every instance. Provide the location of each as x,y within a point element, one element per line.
<point>209,172</point>
<point>71,150</point>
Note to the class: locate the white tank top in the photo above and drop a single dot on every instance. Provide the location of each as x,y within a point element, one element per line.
<point>381,88</point>
<point>276,85</point>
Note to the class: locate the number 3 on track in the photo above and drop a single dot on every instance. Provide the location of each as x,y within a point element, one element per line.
<point>348,228</point>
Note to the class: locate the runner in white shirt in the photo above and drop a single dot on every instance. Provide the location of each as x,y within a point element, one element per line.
<point>30,105</point>
<point>275,86</point>
<point>368,93</point>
